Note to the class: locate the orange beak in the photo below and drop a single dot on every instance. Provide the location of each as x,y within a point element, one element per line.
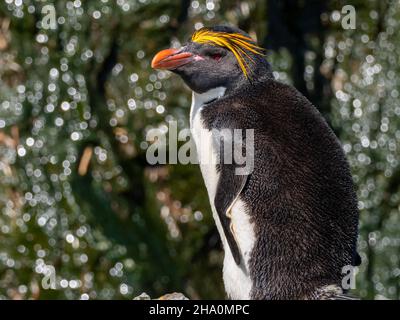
<point>171,59</point>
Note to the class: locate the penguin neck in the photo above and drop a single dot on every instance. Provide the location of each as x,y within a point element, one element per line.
<point>244,84</point>
<point>199,100</point>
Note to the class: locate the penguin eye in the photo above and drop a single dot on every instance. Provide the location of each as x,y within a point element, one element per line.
<point>216,56</point>
<point>213,53</point>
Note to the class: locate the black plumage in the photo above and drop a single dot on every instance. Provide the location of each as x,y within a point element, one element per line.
<point>300,194</point>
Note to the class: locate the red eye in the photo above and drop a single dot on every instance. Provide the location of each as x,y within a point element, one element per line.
<point>216,57</point>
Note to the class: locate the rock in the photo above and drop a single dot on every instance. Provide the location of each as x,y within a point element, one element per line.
<point>142,296</point>
<point>173,296</point>
<point>168,296</point>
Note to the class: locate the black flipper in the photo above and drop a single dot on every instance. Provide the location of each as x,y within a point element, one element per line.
<point>230,184</point>
<point>228,189</point>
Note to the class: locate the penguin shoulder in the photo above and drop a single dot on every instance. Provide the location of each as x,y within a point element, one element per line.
<point>229,112</point>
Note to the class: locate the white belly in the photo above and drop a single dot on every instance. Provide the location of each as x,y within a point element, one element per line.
<point>236,278</point>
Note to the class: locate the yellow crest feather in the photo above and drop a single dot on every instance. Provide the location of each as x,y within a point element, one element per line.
<point>235,42</point>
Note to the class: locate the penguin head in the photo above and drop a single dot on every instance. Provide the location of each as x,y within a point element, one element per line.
<point>221,56</point>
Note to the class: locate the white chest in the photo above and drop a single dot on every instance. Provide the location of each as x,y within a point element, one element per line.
<point>203,139</point>
<point>236,278</point>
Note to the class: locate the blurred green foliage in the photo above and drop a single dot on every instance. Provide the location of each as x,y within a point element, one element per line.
<point>78,200</point>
